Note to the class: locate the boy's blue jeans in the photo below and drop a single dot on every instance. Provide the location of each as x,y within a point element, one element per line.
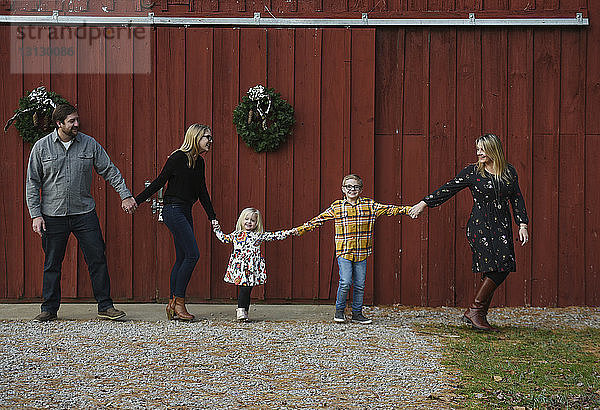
<point>351,273</point>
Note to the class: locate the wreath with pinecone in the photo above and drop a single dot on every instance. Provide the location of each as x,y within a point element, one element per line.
<point>263,119</point>
<point>33,118</point>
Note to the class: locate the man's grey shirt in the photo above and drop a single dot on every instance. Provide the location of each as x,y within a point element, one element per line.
<point>64,177</point>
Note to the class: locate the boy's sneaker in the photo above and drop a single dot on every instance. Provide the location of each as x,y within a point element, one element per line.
<point>111,314</point>
<point>339,316</point>
<point>360,318</point>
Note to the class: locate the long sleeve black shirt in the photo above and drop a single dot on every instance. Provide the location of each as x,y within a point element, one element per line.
<point>185,184</point>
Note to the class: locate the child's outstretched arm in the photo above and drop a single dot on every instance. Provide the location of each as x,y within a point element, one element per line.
<point>225,238</point>
<point>316,222</point>
<point>277,235</point>
<point>390,210</point>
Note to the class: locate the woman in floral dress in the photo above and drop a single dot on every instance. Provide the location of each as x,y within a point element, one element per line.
<point>246,267</point>
<point>494,185</point>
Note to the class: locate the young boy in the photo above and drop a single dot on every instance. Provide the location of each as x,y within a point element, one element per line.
<point>354,219</point>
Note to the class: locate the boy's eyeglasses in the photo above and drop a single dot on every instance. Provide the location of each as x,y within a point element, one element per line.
<point>353,187</point>
<point>208,137</point>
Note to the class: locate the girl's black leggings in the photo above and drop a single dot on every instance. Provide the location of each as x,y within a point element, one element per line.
<point>244,296</point>
<point>497,277</point>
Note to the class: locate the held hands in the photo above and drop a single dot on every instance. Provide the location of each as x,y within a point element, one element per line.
<point>417,209</point>
<point>523,234</point>
<point>215,224</point>
<point>39,225</point>
<point>129,205</point>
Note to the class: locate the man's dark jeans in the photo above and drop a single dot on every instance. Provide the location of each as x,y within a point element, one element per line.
<point>86,229</point>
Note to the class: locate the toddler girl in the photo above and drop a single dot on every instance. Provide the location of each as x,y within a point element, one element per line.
<point>246,267</point>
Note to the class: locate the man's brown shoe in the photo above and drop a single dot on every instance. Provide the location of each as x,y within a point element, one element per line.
<point>111,313</point>
<point>45,317</point>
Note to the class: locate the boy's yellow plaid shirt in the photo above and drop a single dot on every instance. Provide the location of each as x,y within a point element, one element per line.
<point>353,225</point>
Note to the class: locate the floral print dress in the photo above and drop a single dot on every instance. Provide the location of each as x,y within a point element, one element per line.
<point>247,265</point>
<point>489,230</point>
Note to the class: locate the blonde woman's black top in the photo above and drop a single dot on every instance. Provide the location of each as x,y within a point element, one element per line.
<point>185,184</point>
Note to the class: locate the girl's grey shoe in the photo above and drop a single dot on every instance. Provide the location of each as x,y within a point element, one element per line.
<point>339,316</point>
<point>242,314</point>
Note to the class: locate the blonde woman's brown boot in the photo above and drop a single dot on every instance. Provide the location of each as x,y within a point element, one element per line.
<point>171,309</point>
<point>181,311</point>
<point>476,314</point>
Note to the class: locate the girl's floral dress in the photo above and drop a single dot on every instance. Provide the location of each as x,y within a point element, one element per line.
<point>489,230</point>
<point>247,265</point>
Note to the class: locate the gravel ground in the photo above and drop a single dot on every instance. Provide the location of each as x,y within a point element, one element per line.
<point>225,364</point>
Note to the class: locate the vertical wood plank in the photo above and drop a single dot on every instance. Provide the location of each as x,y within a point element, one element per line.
<point>592,168</point>
<point>333,94</point>
<point>280,175</point>
<point>415,181</point>
<point>468,128</point>
<point>494,96</point>
<point>545,162</point>
<point>15,223</point>
<point>63,81</point>
<point>571,258</point>
<point>441,160</point>
<point>362,122</point>
<point>170,57</point>
<point>36,69</point>
<point>91,90</point>
<point>307,152</point>
<point>225,180</point>
<point>119,143</point>
<point>592,220</point>
<point>252,165</point>
<point>518,151</point>
<point>145,273</point>
<point>198,109</point>
<point>389,87</point>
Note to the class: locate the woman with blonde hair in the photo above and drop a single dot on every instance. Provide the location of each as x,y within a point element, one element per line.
<point>184,174</point>
<point>494,184</point>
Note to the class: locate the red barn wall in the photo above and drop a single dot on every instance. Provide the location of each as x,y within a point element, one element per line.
<point>400,106</point>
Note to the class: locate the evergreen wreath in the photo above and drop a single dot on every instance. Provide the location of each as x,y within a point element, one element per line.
<point>33,118</point>
<point>263,119</point>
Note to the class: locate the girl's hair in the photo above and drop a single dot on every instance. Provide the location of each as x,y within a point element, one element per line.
<point>191,142</point>
<point>239,226</point>
<point>492,147</point>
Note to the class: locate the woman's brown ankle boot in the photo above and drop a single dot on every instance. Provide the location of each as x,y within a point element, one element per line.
<point>477,312</point>
<point>181,311</point>
<point>171,309</point>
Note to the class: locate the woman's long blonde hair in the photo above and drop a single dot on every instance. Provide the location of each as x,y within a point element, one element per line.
<point>239,226</point>
<point>493,149</point>
<point>191,142</point>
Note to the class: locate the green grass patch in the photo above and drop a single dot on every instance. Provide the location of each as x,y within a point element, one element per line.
<point>523,367</point>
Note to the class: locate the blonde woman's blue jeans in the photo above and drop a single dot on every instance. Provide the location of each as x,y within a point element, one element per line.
<point>351,273</point>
